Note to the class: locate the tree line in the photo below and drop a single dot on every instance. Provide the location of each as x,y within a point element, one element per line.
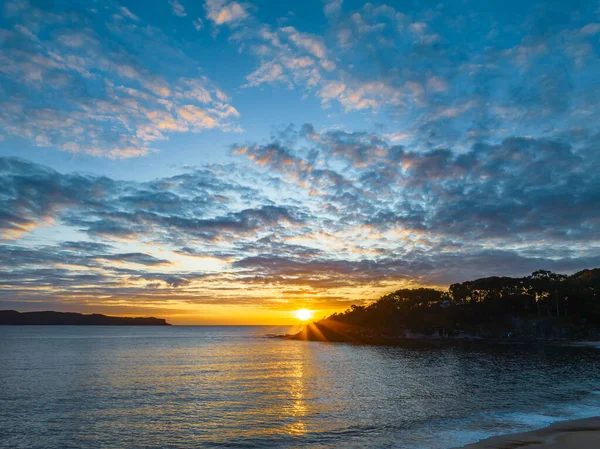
<point>541,305</point>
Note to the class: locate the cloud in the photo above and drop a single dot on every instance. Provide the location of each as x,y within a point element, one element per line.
<point>75,275</point>
<point>499,190</point>
<point>137,258</point>
<point>436,84</point>
<point>411,66</point>
<point>478,153</point>
<point>311,44</point>
<point>332,7</point>
<point>102,207</point>
<point>329,212</point>
<point>127,13</point>
<point>397,136</point>
<point>222,12</point>
<point>590,29</point>
<point>267,73</point>
<point>359,96</point>
<point>115,106</point>
<point>177,8</point>
<point>286,56</point>
<point>347,194</point>
<point>198,24</point>
<point>411,269</point>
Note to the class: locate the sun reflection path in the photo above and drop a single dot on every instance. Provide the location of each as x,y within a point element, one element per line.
<point>299,410</point>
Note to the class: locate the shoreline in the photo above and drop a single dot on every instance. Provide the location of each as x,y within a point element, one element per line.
<point>332,331</point>
<point>571,434</point>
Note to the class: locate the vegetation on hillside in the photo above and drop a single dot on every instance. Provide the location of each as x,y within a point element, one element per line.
<point>542,305</point>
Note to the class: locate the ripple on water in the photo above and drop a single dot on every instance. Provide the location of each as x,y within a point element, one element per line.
<point>185,387</point>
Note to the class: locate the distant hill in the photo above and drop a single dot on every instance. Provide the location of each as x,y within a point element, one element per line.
<point>12,317</point>
<point>539,307</point>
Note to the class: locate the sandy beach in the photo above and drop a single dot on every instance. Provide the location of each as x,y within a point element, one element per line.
<point>575,434</point>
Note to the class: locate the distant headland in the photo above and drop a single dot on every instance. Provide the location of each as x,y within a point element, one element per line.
<point>12,317</point>
<point>543,306</point>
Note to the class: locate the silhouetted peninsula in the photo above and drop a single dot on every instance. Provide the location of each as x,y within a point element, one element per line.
<point>12,317</point>
<point>544,306</point>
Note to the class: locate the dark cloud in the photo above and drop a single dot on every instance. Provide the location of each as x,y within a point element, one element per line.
<point>86,247</point>
<point>72,273</point>
<point>516,189</point>
<point>418,267</point>
<point>349,210</point>
<point>75,254</point>
<point>138,258</point>
<point>194,205</point>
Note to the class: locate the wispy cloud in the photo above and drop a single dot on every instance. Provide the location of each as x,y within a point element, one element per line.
<point>177,8</point>
<point>68,87</point>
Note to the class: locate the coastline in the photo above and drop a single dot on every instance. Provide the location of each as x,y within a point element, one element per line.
<point>330,331</point>
<point>572,434</point>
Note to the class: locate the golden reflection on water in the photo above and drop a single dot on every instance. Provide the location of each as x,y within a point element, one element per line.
<point>222,392</point>
<point>212,386</point>
<point>231,387</point>
<point>299,409</point>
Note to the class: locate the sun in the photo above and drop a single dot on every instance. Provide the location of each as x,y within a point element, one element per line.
<point>304,314</point>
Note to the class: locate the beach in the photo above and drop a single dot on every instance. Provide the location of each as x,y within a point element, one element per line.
<point>574,434</point>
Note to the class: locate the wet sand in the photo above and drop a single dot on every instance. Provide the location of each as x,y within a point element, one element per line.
<point>576,434</point>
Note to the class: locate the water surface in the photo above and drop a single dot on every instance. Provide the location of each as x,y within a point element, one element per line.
<point>189,387</point>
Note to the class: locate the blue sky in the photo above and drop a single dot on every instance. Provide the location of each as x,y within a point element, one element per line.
<point>215,159</point>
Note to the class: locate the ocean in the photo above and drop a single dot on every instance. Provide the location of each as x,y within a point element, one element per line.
<point>194,387</point>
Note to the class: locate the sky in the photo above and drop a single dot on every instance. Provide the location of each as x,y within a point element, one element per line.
<point>225,162</point>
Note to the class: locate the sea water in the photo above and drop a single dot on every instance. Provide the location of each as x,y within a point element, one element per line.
<point>192,387</point>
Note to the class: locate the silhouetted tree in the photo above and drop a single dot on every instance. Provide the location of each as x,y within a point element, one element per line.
<point>541,305</point>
